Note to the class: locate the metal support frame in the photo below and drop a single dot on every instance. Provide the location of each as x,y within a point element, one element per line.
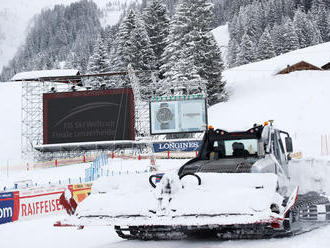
<point>32,116</point>
<point>141,107</point>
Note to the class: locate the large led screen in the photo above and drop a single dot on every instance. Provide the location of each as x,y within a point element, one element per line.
<point>86,116</point>
<point>186,116</point>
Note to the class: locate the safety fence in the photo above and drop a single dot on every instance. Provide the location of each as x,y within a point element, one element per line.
<point>96,169</point>
<point>101,167</point>
<point>38,202</point>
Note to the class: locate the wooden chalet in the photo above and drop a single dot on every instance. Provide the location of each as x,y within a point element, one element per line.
<point>300,66</point>
<point>326,66</point>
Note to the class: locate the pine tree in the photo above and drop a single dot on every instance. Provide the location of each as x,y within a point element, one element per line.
<point>265,48</point>
<point>179,27</point>
<point>183,78</point>
<point>236,28</point>
<point>157,25</point>
<point>98,63</point>
<point>233,50</point>
<point>210,67</point>
<point>307,33</point>
<point>247,49</point>
<point>188,32</point>
<point>319,14</point>
<point>144,59</point>
<point>133,47</point>
<point>277,34</point>
<point>290,40</point>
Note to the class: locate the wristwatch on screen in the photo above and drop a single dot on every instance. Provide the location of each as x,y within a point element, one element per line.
<point>164,116</point>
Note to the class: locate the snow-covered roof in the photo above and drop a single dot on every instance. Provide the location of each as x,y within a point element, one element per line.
<point>29,75</point>
<point>316,55</point>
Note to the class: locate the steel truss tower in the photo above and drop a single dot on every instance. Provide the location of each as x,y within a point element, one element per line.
<point>32,115</point>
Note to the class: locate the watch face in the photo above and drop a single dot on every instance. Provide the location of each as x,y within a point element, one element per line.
<point>164,115</point>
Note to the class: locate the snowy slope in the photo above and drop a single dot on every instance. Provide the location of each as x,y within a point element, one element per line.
<point>297,101</point>
<point>10,122</point>
<point>221,35</point>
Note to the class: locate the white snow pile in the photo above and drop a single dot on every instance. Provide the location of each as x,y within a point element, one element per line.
<point>218,194</point>
<point>297,101</point>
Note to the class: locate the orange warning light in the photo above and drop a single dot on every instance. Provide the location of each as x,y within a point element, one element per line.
<point>266,123</point>
<point>211,127</point>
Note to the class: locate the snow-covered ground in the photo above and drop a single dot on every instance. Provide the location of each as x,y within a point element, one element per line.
<point>41,233</point>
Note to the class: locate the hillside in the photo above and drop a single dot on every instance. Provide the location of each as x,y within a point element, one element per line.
<point>17,16</point>
<point>296,101</point>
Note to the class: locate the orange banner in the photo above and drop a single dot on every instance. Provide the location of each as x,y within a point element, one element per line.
<point>80,191</point>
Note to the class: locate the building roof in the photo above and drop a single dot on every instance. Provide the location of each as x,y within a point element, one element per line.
<point>37,75</point>
<point>302,65</point>
<point>326,66</point>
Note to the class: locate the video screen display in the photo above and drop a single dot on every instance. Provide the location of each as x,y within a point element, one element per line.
<point>87,116</point>
<point>178,116</point>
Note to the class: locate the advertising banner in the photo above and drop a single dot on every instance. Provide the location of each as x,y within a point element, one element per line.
<point>9,207</point>
<point>187,146</point>
<point>39,202</point>
<point>88,116</point>
<point>182,116</point>
<point>80,191</point>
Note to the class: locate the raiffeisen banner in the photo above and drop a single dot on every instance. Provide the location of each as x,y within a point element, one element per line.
<point>40,202</point>
<point>187,146</point>
<point>178,116</point>
<point>9,207</point>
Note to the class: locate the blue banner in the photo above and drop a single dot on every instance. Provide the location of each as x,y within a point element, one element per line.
<point>8,207</point>
<point>187,146</point>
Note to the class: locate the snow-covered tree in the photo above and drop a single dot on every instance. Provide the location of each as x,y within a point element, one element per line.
<point>265,49</point>
<point>290,40</point>
<point>98,63</point>
<point>247,51</point>
<point>233,50</point>
<point>189,37</point>
<point>307,33</point>
<point>133,47</point>
<point>320,16</point>
<point>157,25</point>
<point>183,78</point>
<point>210,67</point>
<point>277,37</point>
<point>236,28</point>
